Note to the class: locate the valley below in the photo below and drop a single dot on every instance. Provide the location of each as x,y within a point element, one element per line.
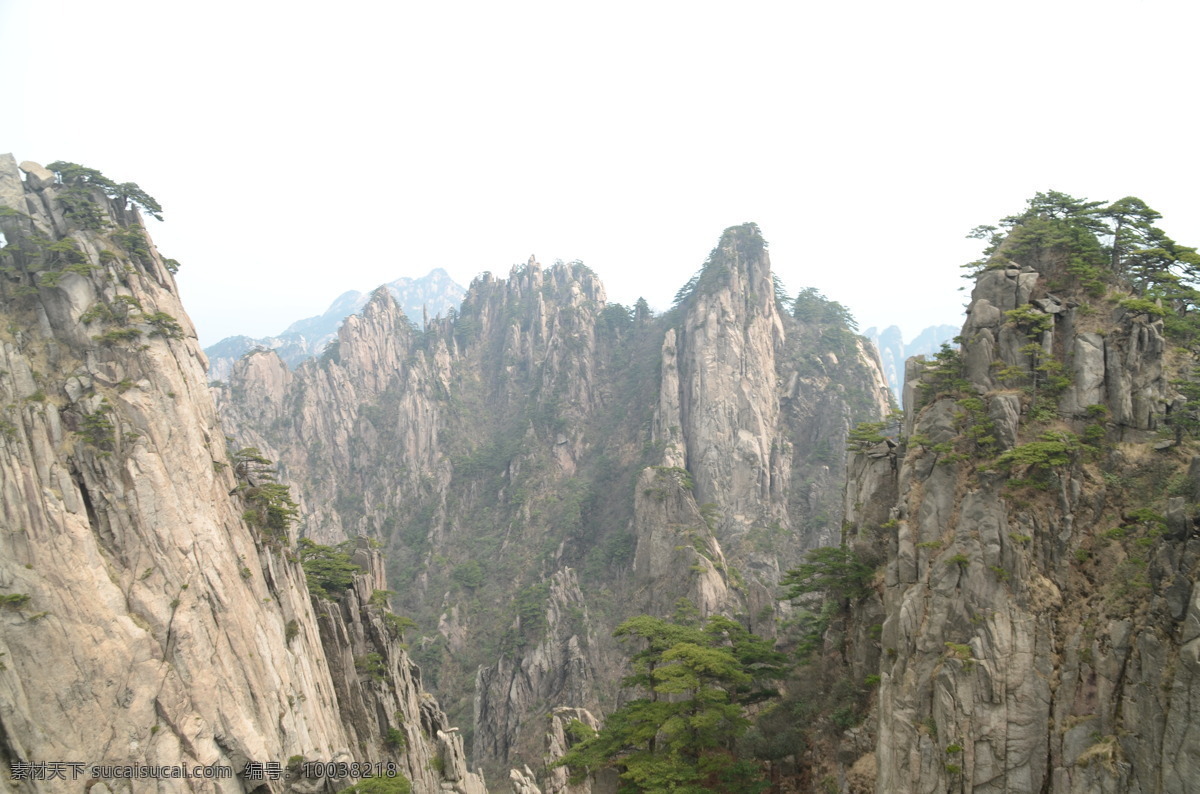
<point>543,542</point>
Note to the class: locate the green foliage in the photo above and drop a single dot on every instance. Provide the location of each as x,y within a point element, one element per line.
<point>945,374</point>
<point>328,569</point>
<point>994,238</point>
<point>291,631</point>
<point>269,504</point>
<point>681,736</point>
<point>837,340</point>
<point>271,509</point>
<point>836,571</point>
<point>1031,320</point>
<point>63,253</point>
<point>78,204</point>
<point>1053,380</point>
<point>615,318</point>
<point>811,306</point>
<point>97,429</point>
<point>1042,409</point>
<point>531,608</point>
<point>577,732</point>
<point>1060,229</point>
<point>961,560</point>
<point>131,193</point>
<point>134,241</point>
<point>74,176</point>
<point>1143,306</point>
<point>397,624</point>
<point>371,665</point>
<point>470,574</point>
<point>395,740</point>
<point>14,600</point>
<point>99,312</point>
<point>744,242</point>
<point>680,475</point>
<point>1053,449</point>
<point>379,598</point>
<point>119,312</point>
<point>164,325</point>
<point>490,458</point>
<point>1147,517</point>
<point>332,354</point>
<point>959,650</point>
<point>118,336</point>
<point>866,434</point>
<point>381,785</point>
<point>977,425</point>
<point>123,308</point>
<point>1186,418</point>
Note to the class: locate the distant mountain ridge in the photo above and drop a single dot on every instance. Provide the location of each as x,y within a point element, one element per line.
<point>544,464</point>
<point>431,295</point>
<point>893,351</point>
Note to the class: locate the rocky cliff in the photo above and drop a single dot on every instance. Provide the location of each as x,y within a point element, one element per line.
<point>146,619</point>
<point>542,464</point>
<point>1039,627</point>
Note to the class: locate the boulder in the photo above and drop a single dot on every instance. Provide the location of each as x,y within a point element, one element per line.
<point>37,176</point>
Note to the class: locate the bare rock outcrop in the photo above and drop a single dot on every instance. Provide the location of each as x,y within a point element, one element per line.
<point>1036,600</point>
<point>144,621</point>
<point>540,429</point>
<point>561,668</point>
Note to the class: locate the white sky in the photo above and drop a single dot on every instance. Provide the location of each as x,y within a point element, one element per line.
<point>304,149</point>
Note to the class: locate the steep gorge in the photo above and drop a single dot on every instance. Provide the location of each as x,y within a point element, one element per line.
<point>144,620</point>
<point>542,464</point>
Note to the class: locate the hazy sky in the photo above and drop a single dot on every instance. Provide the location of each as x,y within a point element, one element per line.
<point>304,149</point>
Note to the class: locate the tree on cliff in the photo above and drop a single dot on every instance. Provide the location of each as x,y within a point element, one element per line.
<point>682,735</point>
<point>1131,227</point>
<point>812,307</point>
<point>126,192</point>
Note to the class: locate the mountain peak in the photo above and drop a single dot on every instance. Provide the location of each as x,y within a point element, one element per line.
<point>431,295</point>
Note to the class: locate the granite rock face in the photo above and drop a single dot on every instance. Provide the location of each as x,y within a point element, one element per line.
<point>541,465</point>
<point>1038,606</point>
<point>144,621</point>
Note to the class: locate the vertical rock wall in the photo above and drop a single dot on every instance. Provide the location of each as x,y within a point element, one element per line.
<point>144,621</point>
<point>1038,632</point>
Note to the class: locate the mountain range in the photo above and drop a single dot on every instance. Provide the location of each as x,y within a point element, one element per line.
<point>678,551</point>
<point>431,295</point>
